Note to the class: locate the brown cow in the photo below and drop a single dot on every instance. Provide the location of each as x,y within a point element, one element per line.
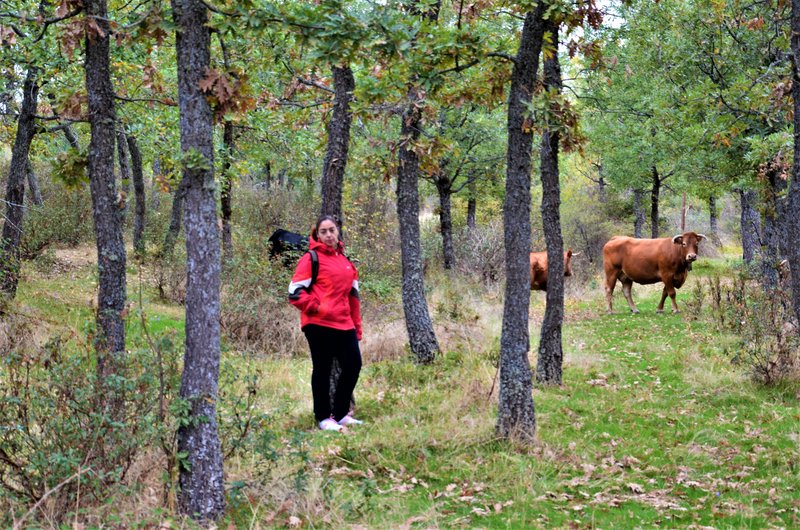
<point>645,261</point>
<point>539,269</point>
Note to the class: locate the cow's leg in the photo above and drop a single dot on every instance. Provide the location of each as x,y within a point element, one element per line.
<point>611,282</point>
<point>627,283</point>
<point>669,290</point>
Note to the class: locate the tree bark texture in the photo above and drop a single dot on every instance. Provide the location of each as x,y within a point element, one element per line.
<point>550,358</point>
<point>15,187</point>
<point>71,137</point>
<point>137,173</point>
<point>124,172</point>
<point>516,417</point>
<point>793,196</point>
<point>111,258</point>
<point>445,191</point>
<point>638,212</point>
<point>155,188</point>
<point>226,191</point>
<point>773,234</point>
<point>202,494</point>
<point>33,184</point>
<point>750,225</point>
<point>418,321</point>
<point>338,143</point>
<point>655,191</point>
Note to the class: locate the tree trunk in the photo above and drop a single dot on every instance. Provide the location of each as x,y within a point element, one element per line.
<point>446,220</point>
<point>750,226</point>
<point>516,416</point>
<point>202,491</point>
<point>124,172</point>
<point>267,175</point>
<point>549,362</point>
<point>654,193</point>
<point>33,184</point>
<point>713,222</point>
<point>338,143</point>
<point>472,204</point>
<point>773,228</point>
<point>418,321</point>
<point>683,213</point>
<point>226,190</point>
<point>15,187</point>
<point>112,292</point>
<point>138,190</point>
<point>174,228</point>
<point>638,211</point>
<point>71,138</point>
<point>793,197</point>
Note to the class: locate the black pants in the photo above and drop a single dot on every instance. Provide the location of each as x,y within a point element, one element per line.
<point>327,344</point>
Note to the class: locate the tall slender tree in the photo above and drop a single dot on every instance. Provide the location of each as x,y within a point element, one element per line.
<point>516,416</point>
<point>137,174</point>
<point>333,167</point>
<point>550,358</point>
<point>202,494</point>
<point>111,258</point>
<point>15,186</point>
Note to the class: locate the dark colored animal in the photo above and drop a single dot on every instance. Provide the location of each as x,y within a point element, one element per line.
<point>646,261</point>
<point>283,241</point>
<point>539,269</point>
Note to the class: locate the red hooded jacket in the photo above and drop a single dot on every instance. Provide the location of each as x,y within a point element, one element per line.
<point>333,300</point>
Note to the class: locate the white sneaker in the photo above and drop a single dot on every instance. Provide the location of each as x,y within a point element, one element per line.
<point>349,420</point>
<point>329,424</point>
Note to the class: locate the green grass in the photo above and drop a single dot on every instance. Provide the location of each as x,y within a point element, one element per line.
<point>652,427</point>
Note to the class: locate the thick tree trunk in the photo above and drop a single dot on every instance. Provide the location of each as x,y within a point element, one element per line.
<point>15,187</point>
<point>418,321</point>
<point>472,204</point>
<point>655,191</point>
<point>202,487</point>
<point>112,292</point>
<point>124,172</point>
<point>793,197</point>
<point>138,190</point>
<point>549,362</point>
<point>638,211</point>
<point>446,220</point>
<point>338,143</point>
<point>516,416</point>
<point>33,184</point>
<point>773,234</point>
<point>226,191</point>
<point>750,225</point>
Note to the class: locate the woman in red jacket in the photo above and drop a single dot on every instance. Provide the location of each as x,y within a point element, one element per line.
<point>330,317</point>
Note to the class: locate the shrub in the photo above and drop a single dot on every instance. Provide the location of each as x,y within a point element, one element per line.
<point>65,218</point>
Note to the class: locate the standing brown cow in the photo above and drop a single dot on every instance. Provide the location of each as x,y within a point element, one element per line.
<point>539,269</point>
<point>645,261</point>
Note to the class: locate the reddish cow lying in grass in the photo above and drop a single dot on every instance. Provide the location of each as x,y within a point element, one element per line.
<point>539,269</point>
<point>646,261</point>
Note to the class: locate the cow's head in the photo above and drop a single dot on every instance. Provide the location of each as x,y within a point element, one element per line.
<point>689,242</point>
<point>568,263</point>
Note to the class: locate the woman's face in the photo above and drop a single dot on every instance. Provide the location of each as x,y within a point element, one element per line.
<point>328,233</point>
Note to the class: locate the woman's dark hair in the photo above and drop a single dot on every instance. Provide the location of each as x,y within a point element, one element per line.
<point>322,219</point>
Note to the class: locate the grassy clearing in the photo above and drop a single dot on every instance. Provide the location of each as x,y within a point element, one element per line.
<point>652,426</point>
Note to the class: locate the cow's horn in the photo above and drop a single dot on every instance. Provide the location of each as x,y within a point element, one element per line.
<point>576,253</point>
<point>701,237</point>
<point>676,238</point>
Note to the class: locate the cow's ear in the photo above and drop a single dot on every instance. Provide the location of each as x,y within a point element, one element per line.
<point>677,240</point>
<point>569,253</point>
<point>701,237</point>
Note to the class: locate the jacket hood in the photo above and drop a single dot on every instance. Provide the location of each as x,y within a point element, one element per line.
<point>319,246</point>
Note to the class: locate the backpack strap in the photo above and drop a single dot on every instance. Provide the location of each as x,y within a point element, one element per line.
<point>314,267</point>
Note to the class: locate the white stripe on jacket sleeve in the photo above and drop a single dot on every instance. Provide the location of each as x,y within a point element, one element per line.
<point>294,286</point>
